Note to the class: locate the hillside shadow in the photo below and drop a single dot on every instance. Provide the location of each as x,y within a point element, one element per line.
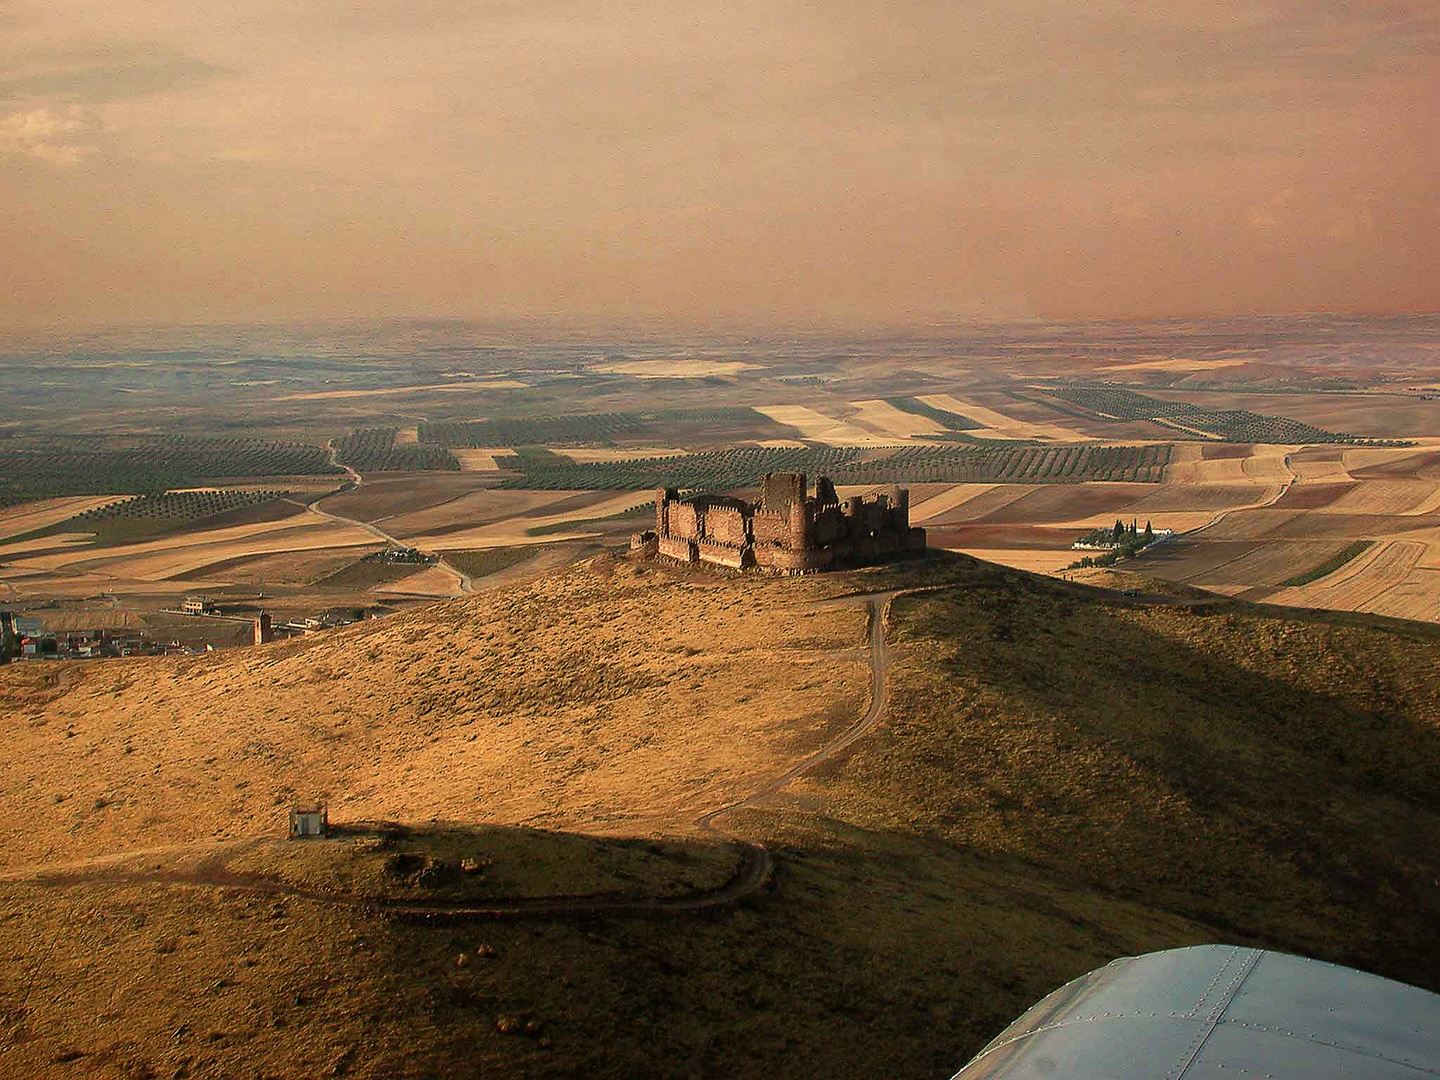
<point>1276,778</point>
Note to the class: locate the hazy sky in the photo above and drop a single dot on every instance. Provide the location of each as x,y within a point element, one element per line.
<point>838,162</point>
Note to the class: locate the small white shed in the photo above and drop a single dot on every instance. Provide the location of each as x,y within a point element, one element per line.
<point>308,821</point>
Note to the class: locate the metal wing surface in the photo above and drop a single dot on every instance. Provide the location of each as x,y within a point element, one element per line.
<point>1220,1012</point>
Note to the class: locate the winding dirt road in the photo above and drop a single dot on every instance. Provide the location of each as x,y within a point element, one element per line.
<point>466,583</point>
<point>753,872</point>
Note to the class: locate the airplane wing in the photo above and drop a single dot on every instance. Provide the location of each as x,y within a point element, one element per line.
<point>1217,1012</point>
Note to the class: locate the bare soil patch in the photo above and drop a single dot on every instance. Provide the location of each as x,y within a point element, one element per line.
<point>468,511</point>
<point>1066,502</point>
<point>981,504</point>
<point>1419,465</point>
<point>1225,451</point>
<point>283,568</point>
<point>1191,560</point>
<point>680,368</point>
<point>992,537</point>
<point>1311,496</point>
<point>1001,426</point>
<point>386,496</point>
<point>816,426</point>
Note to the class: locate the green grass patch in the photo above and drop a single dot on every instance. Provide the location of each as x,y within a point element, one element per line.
<point>1329,566</point>
<point>488,560</point>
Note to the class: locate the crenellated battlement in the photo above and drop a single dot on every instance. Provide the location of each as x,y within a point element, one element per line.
<point>785,531</point>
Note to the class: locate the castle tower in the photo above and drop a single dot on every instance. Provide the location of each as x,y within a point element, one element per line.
<point>661,494</point>
<point>778,489</point>
<point>799,534</point>
<point>900,507</point>
<point>263,632</point>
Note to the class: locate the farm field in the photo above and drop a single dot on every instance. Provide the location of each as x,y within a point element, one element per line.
<point>461,387</point>
<point>997,425</point>
<point>583,455</point>
<point>680,368</point>
<point>884,419</point>
<point>1337,498</point>
<point>1387,580</point>
<point>473,459</point>
<point>156,565</point>
<point>41,514</point>
<point>1390,416</point>
<point>1010,439</point>
<point>816,426</point>
<point>1055,775</point>
<point>1250,517</point>
<point>517,528</point>
<point>1178,364</point>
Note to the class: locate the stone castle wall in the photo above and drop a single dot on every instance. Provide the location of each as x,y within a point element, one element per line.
<point>726,526</point>
<point>783,531</point>
<point>684,521</point>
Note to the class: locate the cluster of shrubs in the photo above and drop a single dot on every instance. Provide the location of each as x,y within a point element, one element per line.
<point>1126,542</point>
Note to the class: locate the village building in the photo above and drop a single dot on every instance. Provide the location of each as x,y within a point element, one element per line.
<point>309,821</point>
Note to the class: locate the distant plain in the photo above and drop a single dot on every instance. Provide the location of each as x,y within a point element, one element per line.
<point>1251,514</point>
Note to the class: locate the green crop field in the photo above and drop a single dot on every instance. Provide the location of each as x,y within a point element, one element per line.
<point>133,465</point>
<point>375,450</point>
<point>1231,425</point>
<point>128,520</point>
<point>742,467</point>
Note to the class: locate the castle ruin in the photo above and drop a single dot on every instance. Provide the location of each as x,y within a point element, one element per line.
<point>785,531</point>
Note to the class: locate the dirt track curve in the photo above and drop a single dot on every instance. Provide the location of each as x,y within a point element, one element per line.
<point>756,864</point>
<point>464,580</point>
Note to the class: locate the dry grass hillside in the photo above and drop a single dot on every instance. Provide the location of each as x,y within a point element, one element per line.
<point>1060,776</point>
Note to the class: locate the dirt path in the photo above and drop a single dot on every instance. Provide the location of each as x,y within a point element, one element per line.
<point>879,605</point>
<point>753,872</point>
<point>465,582</point>
<point>1261,505</point>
